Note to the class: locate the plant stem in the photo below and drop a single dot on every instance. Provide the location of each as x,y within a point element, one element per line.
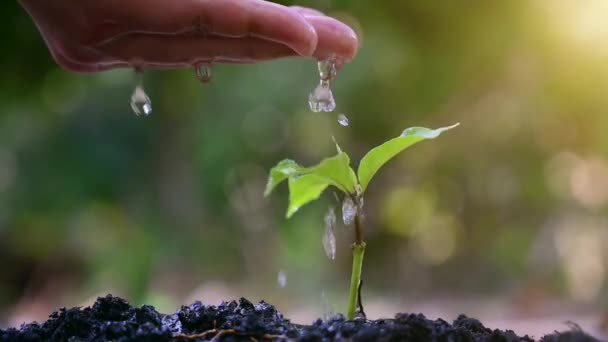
<point>358,253</point>
<point>358,228</point>
<point>355,278</point>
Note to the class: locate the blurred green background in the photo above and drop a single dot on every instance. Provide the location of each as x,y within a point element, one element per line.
<point>169,208</point>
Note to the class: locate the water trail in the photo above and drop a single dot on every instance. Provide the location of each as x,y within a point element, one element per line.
<point>282,278</point>
<point>329,237</point>
<point>328,311</point>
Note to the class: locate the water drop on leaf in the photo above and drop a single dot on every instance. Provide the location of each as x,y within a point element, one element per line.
<point>426,132</point>
<point>407,132</point>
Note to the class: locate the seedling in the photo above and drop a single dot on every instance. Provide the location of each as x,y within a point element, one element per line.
<point>306,184</point>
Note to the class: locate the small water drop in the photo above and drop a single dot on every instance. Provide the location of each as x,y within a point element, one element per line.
<point>343,120</point>
<point>321,99</point>
<point>408,131</point>
<point>329,237</point>
<point>140,102</point>
<point>282,278</point>
<point>349,210</point>
<point>203,72</point>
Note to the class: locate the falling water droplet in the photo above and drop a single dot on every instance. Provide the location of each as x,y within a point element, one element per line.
<point>282,278</point>
<point>343,120</point>
<point>321,99</point>
<point>140,102</point>
<point>203,72</point>
<point>349,210</point>
<point>329,238</point>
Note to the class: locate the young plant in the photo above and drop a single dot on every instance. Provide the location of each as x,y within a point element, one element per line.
<point>306,184</point>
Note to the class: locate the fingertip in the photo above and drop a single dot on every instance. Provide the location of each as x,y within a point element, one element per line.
<point>334,38</point>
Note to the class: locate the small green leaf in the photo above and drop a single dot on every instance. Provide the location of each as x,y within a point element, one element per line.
<point>284,169</point>
<point>336,171</point>
<point>304,189</point>
<point>307,183</point>
<point>379,155</point>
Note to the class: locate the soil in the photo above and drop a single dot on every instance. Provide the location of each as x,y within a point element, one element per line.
<point>113,319</point>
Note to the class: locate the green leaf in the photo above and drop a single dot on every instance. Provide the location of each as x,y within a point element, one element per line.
<point>284,169</point>
<point>307,183</point>
<point>378,156</point>
<point>304,189</point>
<point>336,171</point>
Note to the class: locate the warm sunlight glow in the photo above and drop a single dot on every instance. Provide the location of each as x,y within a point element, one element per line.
<point>584,22</point>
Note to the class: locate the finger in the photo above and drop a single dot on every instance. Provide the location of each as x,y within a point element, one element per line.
<point>147,50</point>
<point>229,18</point>
<point>335,38</point>
<point>306,10</point>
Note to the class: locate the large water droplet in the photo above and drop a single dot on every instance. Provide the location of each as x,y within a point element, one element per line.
<point>343,120</point>
<point>322,99</point>
<point>329,237</point>
<point>282,278</point>
<point>349,210</point>
<point>140,102</point>
<point>203,72</point>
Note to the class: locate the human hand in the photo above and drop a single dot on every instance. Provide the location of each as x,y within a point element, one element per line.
<point>96,35</point>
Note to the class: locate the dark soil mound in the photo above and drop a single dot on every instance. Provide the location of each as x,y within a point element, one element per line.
<point>113,319</point>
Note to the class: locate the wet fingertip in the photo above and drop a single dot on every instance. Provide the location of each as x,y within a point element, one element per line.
<point>335,38</point>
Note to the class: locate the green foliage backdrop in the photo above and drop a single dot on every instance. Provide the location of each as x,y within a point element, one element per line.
<point>96,200</point>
